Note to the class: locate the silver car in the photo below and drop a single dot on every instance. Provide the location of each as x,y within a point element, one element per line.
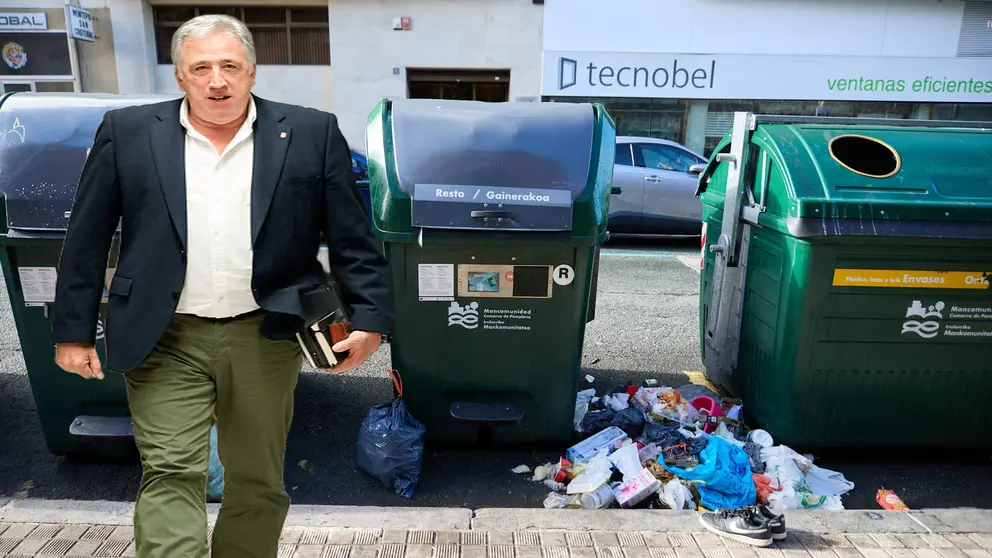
<point>658,182</point>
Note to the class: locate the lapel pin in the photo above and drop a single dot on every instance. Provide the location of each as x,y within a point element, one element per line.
<point>282,135</point>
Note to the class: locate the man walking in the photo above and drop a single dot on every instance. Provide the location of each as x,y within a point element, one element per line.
<point>222,198</point>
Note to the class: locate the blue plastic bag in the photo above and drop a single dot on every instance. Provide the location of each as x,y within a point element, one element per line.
<point>391,444</point>
<point>215,470</point>
<point>726,471</point>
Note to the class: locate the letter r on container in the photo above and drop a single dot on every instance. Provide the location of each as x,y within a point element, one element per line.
<point>566,72</point>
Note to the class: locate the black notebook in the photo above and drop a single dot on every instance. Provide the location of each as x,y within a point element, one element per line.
<point>327,321</point>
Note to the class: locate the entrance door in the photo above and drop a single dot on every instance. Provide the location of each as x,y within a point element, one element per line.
<point>463,85</point>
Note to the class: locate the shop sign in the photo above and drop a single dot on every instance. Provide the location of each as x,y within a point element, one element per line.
<point>746,76</point>
<point>34,21</point>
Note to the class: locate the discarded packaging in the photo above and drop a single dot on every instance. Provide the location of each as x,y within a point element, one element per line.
<point>588,448</point>
<point>888,500</point>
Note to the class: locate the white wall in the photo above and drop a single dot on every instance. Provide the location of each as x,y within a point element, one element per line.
<point>455,34</point>
<point>923,28</point>
<point>309,86</point>
<point>134,46</point>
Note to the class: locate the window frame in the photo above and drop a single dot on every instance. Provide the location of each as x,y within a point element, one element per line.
<point>289,25</point>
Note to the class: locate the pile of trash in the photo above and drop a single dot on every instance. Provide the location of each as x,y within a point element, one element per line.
<point>685,448</point>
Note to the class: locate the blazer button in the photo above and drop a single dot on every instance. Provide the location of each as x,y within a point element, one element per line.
<point>175,295</point>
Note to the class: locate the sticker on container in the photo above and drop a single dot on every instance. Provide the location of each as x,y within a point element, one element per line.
<point>436,282</point>
<point>911,279</point>
<point>563,274</point>
<point>38,283</point>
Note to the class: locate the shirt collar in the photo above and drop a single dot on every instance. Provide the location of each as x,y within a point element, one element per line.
<point>246,127</point>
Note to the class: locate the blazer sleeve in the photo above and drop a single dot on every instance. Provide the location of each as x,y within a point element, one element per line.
<point>354,255</point>
<point>96,211</point>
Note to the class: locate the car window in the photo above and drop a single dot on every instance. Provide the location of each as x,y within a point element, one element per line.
<point>664,157</point>
<point>623,156</point>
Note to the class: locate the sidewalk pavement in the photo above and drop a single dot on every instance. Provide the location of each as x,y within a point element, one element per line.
<point>95,529</point>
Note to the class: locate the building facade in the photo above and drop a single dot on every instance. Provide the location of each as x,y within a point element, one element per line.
<point>675,70</point>
<point>679,70</point>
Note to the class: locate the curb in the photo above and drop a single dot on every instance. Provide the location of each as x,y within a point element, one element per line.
<point>926,521</point>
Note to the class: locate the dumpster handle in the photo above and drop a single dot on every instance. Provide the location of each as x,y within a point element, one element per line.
<point>503,214</point>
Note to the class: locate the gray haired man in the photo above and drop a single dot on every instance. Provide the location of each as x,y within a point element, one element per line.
<point>223,198</point>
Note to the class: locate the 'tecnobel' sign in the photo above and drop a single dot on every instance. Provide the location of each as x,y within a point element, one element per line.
<point>37,21</point>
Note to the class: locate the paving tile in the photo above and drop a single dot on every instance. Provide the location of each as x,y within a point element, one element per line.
<point>847,553</point>
<point>912,541</point>
<point>392,551</point>
<point>874,552</point>
<point>630,538</point>
<point>559,551</point>
<point>942,553</point>
<point>393,536</point>
<point>57,547</point>
<point>474,551</point>
<point>769,553</point>
<point>937,541</point>
<point>636,552</point>
<point>682,540</point>
<point>716,552</point>
<point>529,551</point>
<point>290,536</point>
<point>6,545</point>
<point>794,552</point>
<point>19,530</point>
<point>656,539</point>
<point>708,540</point>
<point>689,552</point>
<point>900,553</point>
<point>500,538</point>
<point>578,539</point>
<point>609,552</point>
<point>605,538</point>
<point>661,552</point>
<point>500,551</point>
<point>581,551</point>
<point>111,548</point>
<point>746,552</point>
<point>336,551</point>
<point>792,543</point>
<point>553,538</point>
<point>983,540</point>
<point>445,550</point>
<point>527,538</point>
<point>962,541</point>
<point>72,531</point>
<point>4,527</point>
<point>420,537</point>
<point>286,551</point>
<point>473,538</point>
<point>364,552</point>
<point>29,547</point>
<point>811,541</point>
<point>122,533</point>
<point>45,531</point>
<point>309,551</point>
<point>447,537</point>
<point>131,550</point>
<point>84,548</point>
<point>888,541</point>
<point>978,553</point>
<point>419,550</point>
<point>861,542</point>
<point>834,542</point>
<point>98,533</point>
<point>313,537</point>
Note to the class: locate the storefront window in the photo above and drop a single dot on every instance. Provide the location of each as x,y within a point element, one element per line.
<point>964,111</point>
<point>720,116</point>
<point>653,118</point>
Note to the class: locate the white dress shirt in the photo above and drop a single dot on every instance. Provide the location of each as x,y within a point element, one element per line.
<point>218,220</point>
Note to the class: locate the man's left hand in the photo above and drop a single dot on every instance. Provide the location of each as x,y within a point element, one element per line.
<point>360,346</point>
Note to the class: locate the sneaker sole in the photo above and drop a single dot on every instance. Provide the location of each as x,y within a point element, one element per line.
<point>741,538</point>
<point>779,536</point>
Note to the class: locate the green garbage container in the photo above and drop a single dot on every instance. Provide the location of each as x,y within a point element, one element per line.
<point>845,291</point>
<point>46,138</point>
<point>491,215</point>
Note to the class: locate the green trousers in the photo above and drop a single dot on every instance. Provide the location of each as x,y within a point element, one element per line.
<point>199,366</point>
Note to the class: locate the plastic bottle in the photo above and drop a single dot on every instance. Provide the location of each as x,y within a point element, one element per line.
<point>600,498</point>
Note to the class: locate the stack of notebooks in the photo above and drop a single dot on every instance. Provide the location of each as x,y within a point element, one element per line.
<point>327,321</point>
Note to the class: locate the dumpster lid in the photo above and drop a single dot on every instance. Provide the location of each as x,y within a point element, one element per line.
<point>44,142</point>
<point>473,165</point>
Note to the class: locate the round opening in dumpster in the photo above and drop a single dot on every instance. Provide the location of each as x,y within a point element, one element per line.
<point>865,156</point>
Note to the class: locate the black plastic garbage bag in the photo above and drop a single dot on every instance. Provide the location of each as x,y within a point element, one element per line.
<point>391,445</point>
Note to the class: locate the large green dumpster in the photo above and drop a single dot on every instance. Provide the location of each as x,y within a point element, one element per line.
<point>46,138</point>
<point>845,290</point>
<point>491,215</point>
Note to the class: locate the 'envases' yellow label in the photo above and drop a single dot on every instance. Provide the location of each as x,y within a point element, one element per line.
<point>914,279</point>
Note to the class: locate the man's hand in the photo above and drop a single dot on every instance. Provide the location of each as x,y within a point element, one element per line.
<point>360,346</point>
<point>79,358</point>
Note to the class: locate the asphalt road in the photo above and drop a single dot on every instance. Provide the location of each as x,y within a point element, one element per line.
<point>646,327</point>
